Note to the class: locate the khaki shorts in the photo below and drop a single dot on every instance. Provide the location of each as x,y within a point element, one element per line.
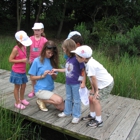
<point>44,94</point>
<point>105,91</point>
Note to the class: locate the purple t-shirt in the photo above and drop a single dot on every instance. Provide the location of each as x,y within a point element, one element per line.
<point>73,70</point>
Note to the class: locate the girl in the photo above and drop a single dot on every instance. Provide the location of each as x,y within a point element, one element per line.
<point>41,72</point>
<point>36,47</point>
<point>18,73</point>
<point>73,70</point>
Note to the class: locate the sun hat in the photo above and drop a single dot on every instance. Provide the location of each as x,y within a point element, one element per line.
<point>37,26</point>
<point>42,25</point>
<point>23,38</point>
<point>83,51</point>
<point>72,34</point>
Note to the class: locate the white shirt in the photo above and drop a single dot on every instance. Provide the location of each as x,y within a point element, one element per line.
<point>94,68</point>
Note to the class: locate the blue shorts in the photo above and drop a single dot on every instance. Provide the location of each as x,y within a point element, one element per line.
<point>18,78</point>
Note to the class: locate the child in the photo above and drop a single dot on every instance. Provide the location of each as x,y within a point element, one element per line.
<point>73,71</point>
<point>75,36</point>
<point>36,47</point>
<point>41,71</point>
<point>101,82</point>
<point>18,74</point>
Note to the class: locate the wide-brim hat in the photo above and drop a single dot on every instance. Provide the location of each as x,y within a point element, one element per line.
<point>23,38</point>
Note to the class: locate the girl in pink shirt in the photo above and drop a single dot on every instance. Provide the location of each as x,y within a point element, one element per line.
<point>36,47</point>
<point>18,72</point>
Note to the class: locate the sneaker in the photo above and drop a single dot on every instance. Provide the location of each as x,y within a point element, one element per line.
<point>62,114</point>
<point>75,120</point>
<point>94,123</point>
<point>87,118</point>
<point>31,94</point>
<point>41,105</point>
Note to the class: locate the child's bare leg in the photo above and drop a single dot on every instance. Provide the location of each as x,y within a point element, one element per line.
<point>16,93</point>
<point>22,91</point>
<point>33,84</point>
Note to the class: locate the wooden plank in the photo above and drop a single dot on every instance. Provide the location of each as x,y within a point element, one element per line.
<point>135,133</point>
<point>123,129</point>
<point>111,121</point>
<point>121,115</point>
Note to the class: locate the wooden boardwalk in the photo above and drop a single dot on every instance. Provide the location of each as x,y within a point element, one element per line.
<point>121,116</point>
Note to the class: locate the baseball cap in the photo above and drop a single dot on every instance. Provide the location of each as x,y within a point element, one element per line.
<point>42,25</point>
<point>23,38</point>
<point>37,26</point>
<point>72,34</point>
<point>83,51</point>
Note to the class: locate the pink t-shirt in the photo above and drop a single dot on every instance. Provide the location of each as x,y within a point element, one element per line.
<point>20,67</point>
<point>36,47</point>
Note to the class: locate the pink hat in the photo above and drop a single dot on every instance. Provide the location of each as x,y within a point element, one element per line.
<point>83,51</point>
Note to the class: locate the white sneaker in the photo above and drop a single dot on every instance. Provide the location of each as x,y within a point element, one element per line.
<point>62,114</point>
<point>75,120</point>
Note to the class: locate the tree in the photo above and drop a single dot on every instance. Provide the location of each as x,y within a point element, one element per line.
<point>19,13</point>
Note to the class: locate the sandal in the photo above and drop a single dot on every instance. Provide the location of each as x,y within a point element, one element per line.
<point>20,106</point>
<point>31,94</point>
<point>25,102</point>
<point>41,105</point>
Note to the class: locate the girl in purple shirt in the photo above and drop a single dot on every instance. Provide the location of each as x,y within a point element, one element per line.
<point>73,70</point>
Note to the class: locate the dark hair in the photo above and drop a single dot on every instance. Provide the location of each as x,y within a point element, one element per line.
<point>50,45</point>
<point>77,39</point>
<point>19,44</point>
<point>69,45</point>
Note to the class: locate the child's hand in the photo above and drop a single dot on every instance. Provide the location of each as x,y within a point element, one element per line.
<point>25,60</point>
<point>54,70</point>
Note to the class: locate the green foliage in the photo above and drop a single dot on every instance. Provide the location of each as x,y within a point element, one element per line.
<point>128,42</point>
<point>13,128</point>
<point>84,32</point>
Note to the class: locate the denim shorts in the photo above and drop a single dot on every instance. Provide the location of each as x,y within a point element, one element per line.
<point>18,78</point>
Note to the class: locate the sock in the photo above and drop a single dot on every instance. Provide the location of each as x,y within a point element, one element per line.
<point>92,114</point>
<point>98,118</point>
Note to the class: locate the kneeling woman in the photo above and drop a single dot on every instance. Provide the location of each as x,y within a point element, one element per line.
<point>41,72</point>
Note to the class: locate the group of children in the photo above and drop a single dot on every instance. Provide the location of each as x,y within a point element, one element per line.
<point>79,63</point>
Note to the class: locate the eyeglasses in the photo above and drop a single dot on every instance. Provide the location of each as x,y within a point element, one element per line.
<point>51,47</point>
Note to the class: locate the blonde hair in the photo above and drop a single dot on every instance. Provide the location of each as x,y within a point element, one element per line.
<point>69,46</point>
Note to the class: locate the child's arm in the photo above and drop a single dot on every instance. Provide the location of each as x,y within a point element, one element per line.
<point>94,87</point>
<point>83,83</point>
<point>58,70</point>
<point>12,56</point>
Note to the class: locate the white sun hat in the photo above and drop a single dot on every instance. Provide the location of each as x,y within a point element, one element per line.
<point>83,51</point>
<point>37,26</point>
<point>42,25</point>
<point>72,34</point>
<point>23,38</point>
